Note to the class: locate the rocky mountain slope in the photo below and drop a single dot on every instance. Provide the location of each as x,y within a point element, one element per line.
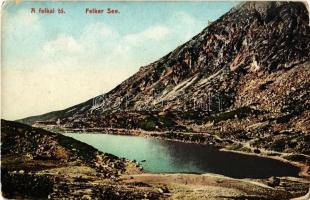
<point>243,78</point>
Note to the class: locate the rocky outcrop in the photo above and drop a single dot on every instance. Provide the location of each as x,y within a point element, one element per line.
<point>39,164</point>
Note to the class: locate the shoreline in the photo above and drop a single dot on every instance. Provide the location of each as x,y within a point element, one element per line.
<point>304,168</point>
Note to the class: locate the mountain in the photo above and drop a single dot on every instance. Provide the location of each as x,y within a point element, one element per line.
<point>243,78</point>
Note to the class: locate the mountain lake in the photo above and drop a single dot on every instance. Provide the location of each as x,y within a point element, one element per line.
<point>162,156</point>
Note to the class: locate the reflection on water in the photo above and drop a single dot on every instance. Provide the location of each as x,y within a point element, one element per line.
<point>170,156</point>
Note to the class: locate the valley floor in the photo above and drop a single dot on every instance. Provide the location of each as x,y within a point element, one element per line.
<point>39,164</point>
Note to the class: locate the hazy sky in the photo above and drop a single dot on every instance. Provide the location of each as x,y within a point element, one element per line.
<point>53,61</point>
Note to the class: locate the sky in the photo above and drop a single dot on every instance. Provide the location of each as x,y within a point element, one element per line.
<point>53,61</point>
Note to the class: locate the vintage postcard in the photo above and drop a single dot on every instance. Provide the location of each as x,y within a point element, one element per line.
<point>155,100</point>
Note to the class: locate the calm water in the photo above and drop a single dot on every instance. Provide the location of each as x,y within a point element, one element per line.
<point>170,156</point>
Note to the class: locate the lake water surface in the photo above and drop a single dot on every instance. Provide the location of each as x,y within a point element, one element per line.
<point>159,155</point>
